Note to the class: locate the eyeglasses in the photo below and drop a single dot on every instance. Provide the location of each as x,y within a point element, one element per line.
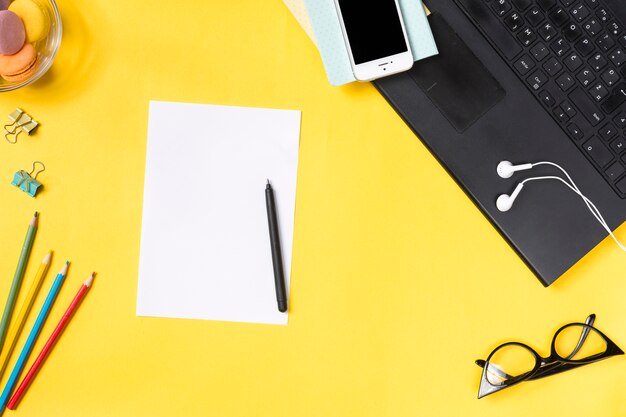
<point>573,345</point>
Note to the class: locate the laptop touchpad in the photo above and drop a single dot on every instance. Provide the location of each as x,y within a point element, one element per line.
<point>455,80</point>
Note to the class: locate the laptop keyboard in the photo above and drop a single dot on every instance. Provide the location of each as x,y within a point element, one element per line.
<point>571,54</point>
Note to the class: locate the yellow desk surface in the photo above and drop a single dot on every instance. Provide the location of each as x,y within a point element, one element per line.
<point>398,282</point>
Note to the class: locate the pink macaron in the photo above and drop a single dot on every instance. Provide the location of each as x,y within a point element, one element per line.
<point>12,33</point>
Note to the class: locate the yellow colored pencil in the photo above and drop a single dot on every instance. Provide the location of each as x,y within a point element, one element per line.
<point>16,329</point>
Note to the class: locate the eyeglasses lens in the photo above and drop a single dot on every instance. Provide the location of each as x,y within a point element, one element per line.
<point>509,362</point>
<point>578,342</point>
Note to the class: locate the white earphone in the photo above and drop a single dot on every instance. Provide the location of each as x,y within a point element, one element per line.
<point>504,202</point>
<point>507,169</point>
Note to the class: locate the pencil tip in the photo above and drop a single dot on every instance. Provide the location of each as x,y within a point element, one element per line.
<point>90,279</point>
<point>36,214</point>
<point>268,181</point>
<point>46,260</point>
<point>67,262</point>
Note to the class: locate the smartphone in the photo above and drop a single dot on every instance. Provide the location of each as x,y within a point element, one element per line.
<point>375,36</point>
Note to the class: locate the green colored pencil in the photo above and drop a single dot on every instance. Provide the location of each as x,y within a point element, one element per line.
<point>17,278</point>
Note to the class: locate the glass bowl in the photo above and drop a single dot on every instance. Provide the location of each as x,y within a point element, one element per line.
<point>46,48</point>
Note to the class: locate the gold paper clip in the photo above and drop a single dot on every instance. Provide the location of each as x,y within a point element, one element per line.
<point>22,122</point>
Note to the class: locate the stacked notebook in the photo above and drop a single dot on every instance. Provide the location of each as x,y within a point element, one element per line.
<point>320,21</point>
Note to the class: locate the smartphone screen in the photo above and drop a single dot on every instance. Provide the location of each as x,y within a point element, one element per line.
<point>373,28</point>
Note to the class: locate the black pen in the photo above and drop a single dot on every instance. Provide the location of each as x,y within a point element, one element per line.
<point>277,257</point>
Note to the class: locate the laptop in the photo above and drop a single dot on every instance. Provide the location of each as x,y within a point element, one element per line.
<point>527,81</point>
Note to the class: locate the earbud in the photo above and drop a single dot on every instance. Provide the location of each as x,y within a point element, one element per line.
<point>505,202</point>
<point>506,169</point>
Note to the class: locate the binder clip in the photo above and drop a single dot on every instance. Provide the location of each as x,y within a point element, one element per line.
<point>22,122</point>
<point>27,181</point>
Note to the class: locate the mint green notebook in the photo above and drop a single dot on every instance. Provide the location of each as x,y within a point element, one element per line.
<point>332,47</point>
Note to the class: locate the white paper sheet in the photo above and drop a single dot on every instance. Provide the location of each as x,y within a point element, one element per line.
<point>205,250</point>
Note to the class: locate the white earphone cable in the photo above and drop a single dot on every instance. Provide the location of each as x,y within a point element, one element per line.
<point>590,205</point>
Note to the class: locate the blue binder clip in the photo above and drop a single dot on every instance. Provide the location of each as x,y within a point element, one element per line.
<point>27,181</point>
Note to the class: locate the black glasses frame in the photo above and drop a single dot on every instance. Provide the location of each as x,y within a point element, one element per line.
<point>544,367</point>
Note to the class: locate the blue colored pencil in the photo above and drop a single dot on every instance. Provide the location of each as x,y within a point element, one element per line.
<point>32,338</point>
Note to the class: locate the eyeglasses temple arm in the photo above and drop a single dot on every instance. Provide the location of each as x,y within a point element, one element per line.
<point>583,336</point>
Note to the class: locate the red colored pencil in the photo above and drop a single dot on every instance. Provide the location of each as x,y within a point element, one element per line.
<point>21,390</point>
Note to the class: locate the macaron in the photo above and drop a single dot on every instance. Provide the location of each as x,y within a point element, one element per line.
<point>4,4</point>
<point>35,19</point>
<point>23,76</point>
<point>12,33</point>
<point>17,65</point>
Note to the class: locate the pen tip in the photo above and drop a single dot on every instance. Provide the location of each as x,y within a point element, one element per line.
<point>268,181</point>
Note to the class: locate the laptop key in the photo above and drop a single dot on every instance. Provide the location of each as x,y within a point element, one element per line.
<point>560,47</point>
<point>608,131</point>
<point>559,16</point>
<point>575,132</point>
<point>537,80</point>
<point>620,120</point>
<point>615,171</point>
<point>614,28</point>
<point>552,66</point>
<point>573,62</point>
<point>618,57</point>
<point>567,2</point>
<point>598,62</point>
<point>572,32</point>
<point>485,19</point>
<point>524,64</point>
<point>501,7</point>
<point>561,115</point>
<point>598,152</point>
<point>580,12</point>
<point>592,3</point>
<point>585,47</point>
<point>610,77</point>
<point>622,40</point>
<point>592,27</point>
<point>535,16</point>
<point>618,145</point>
<point>605,42</point>
<point>616,99</point>
<point>599,92</point>
<point>586,77</point>
<point>522,4</point>
<point>585,106</point>
<point>547,31</point>
<point>565,82</point>
<point>547,99</point>
<point>539,51</point>
<point>568,109</point>
<point>546,4</point>
<point>514,21</point>
<point>603,15</point>
<point>526,36</point>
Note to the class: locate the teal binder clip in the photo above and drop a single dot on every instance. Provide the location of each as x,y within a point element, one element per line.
<point>27,181</point>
